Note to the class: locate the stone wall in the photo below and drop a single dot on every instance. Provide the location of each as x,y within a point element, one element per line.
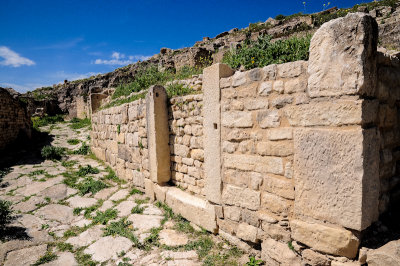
<point>186,142</point>
<point>304,153</point>
<point>119,137</point>
<point>14,120</point>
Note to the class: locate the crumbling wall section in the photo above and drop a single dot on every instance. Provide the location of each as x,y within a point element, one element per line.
<point>14,119</point>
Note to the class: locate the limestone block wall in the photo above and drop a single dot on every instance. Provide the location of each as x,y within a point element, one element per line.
<point>387,122</point>
<point>305,153</point>
<point>186,142</point>
<point>258,149</point>
<point>119,137</point>
<point>14,119</point>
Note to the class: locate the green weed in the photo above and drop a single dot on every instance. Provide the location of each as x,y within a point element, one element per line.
<point>104,217</point>
<point>73,141</point>
<point>77,123</point>
<point>52,152</point>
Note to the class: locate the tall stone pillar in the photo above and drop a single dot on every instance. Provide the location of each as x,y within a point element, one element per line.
<point>158,135</point>
<point>336,169</point>
<point>212,129</point>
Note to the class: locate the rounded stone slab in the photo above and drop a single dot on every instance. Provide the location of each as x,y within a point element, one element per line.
<point>29,205</point>
<point>30,221</point>
<point>105,193</point>
<point>143,223</point>
<point>81,202</point>
<point>60,213</point>
<point>150,209</point>
<point>57,192</point>
<point>37,187</point>
<point>25,256</point>
<point>86,238</point>
<point>172,238</point>
<point>125,208</point>
<point>119,195</point>
<point>105,248</point>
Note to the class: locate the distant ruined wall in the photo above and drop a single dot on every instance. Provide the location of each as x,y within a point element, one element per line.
<point>305,152</point>
<point>14,120</point>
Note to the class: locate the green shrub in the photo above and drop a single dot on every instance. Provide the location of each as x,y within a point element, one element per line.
<point>49,256</point>
<point>121,228</point>
<point>137,209</point>
<point>104,217</point>
<point>46,120</point>
<point>178,90</point>
<point>263,52</point>
<point>90,185</point>
<point>52,152</point>
<point>88,169</point>
<point>73,141</point>
<point>280,17</point>
<point>77,123</point>
<point>6,213</point>
<point>83,149</point>
<point>253,262</point>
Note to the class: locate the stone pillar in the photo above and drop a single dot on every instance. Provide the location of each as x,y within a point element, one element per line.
<point>80,107</point>
<point>212,129</point>
<point>336,170</point>
<point>158,135</point>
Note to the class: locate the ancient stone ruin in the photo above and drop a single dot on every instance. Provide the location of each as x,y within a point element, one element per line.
<point>303,151</point>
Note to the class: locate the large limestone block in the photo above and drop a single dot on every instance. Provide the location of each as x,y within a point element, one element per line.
<point>343,57</point>
<point>337,176</point>
<point>194,209</point>
<point>158,134</point>
<point>386,255</point>
<point>212,129</point>
<point>332,240</point>
<point>278,253</point>
<point>261,164</point>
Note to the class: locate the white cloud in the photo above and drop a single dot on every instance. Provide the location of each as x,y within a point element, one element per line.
<point>12,58</point>
<point>121,59</point>
<point>62,75</point>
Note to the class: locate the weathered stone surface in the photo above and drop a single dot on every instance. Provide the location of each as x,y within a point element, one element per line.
<point>57,192</point>
<point>280,133</point>
<point>386,255</point>
<point>331,113</point>
<point>107,247</point>
<point>281,186</point>
<point>277,253</point>
<point>194,209</point>
<point>143,223</point>
<point>328,239</point>
<point>86,238</point>
<point>121,194</point>
<point>60,213</point>
<point>247,232</point>
<point>105,193</point>
<point>158,134</point>
<point>243,197</point>
<point>240,119</point>
<point>343,57</point>
<point>324,159</point>
<point>172,238</point>
<point>125,208</point>
<point>275,148</point>
<point>64,258</point>
<point>274,203</point>
<point>29,205</point>
<point>25,256</point>
<point>81,202</point>
<point>261,164</point>
<point>269,118</point>
<point>315,258</point>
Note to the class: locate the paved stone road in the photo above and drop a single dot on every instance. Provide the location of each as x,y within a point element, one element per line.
<point>62,221</point>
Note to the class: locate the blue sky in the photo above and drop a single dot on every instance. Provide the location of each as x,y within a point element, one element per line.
<point>44,42</point>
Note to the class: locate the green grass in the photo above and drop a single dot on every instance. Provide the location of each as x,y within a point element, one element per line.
<point>62,246</point>
<point>178,90</point>
<point>46,120</point>
<point>84,149</point>
<point>73,141</point>
<point>37,172</point>
<point>49,256</point>
<point>104,217</point>
<point>84,259</point>
<point>52,153</point>
<point>263,52</point>
<point>137,209</point>
<point>121,228</point>
<point>6,213</point>
<point>89,185</point>
<point>135,191</point>
<point>86,170</point>
<point>113,177</point>
<point>68,164</point>
<point>77,123</point>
